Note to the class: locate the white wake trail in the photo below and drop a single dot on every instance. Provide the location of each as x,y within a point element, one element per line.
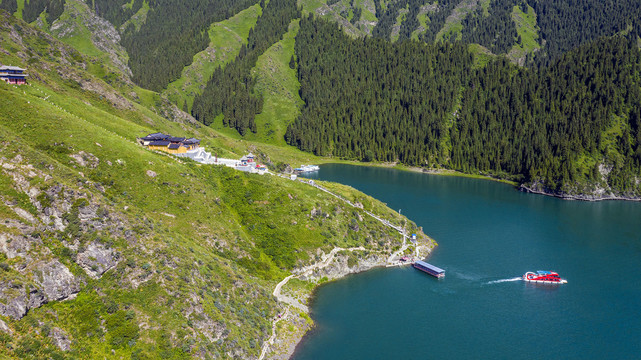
<point>505,280</point>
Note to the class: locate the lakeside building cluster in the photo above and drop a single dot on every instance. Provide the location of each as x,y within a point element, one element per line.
<point>190,148</point>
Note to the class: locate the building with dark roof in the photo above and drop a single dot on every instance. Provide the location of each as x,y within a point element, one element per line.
<point>168,143</point>
<point>13,75</point>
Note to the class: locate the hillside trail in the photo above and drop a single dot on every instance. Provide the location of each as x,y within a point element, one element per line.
<point>326,259</point>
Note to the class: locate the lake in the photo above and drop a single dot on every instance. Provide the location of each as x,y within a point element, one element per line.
<point>489,234</point>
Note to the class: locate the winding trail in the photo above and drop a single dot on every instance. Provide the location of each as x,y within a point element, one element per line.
<point>270,341</point>
<point>325,261</point>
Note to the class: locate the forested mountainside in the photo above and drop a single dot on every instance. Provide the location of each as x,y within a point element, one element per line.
<point>569,126</point>
<point>110,250</point>
<point>562,25</point>
<point>230,90</point>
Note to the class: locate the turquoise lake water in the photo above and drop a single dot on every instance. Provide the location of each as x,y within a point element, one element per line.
<point>488,235</point>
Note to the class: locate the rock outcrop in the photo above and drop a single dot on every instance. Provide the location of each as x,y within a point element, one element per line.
<point>51,281</point>
<point>60,338</point>
<point>96,259</point>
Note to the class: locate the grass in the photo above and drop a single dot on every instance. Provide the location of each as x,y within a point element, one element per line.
<point>80,37</point>
<point>423,20</point>
<point>18,12</point>
<point>402,14</point>
<point>226,38</point>
<point>482,55</point>
<point>137,19</point>
<point>278,84</point>
<point>528,30</point>
<point>206,244</point>
<point>341,13</point>
<point>453,24</point>
<point>369,12</point>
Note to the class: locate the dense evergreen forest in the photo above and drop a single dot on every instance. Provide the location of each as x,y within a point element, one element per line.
<point>169,38</point>
<point>371,99</point>
<point>583,107</point>
<point>33,8</point>
<point>425,105</point>
<point>496,31</point>
<point>563,25</point>
<point>229,90</point>
<point>568,24</point>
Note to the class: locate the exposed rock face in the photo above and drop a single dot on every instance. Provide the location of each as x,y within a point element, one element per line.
<point>13,246</point>
<point>103,34</point>
<point>340,266</point>
<point>51,281</point>
<point>86,159</point>
<point>18,299</point>
<point>60,338</point>
<point>96,259</point>
<point>56,280</point>
<point>593,193</point>
<point>5,328</point>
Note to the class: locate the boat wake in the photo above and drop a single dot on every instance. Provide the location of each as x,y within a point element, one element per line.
<point>505,280</point>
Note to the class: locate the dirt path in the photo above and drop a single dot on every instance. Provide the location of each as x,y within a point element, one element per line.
<point>270,341</point>
<point>325,261</point>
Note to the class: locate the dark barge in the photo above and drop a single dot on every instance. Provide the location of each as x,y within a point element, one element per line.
<point>429,268</point>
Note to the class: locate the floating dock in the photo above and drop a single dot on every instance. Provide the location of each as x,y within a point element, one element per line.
<point>429,268</point>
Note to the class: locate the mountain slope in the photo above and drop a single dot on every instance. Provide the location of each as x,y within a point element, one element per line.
<point>570,128</point>
<point>110,250</point>
<point>226,38</point>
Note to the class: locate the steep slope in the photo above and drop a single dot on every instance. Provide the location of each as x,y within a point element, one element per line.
<point>570,128</point>
<point>110,250</point>
<point>226,38</point>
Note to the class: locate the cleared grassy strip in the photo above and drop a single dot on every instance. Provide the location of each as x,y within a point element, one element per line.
<point>18,12</point>
<point>341,13</point>
<point>279,86</point>
<point>481,55</point>
<point>137,19</point>
<point>528,31</point>
<point>453,24</point>
<point>226,38</point>
<point>79,37</point>
<point>402,14</point>
<point>423,20</point>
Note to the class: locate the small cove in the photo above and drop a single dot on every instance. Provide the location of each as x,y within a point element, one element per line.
<point>488,234</point>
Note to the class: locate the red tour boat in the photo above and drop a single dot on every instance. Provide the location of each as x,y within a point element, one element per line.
<point>544,277</point>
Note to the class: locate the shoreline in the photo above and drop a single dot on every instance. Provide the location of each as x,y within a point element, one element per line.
<point>286,345</point>
<point>332,267</point>
<point>581,197</point>
<point>516,185</point>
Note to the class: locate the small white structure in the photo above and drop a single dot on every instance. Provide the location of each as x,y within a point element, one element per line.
<point>199,155</point>
<point>246,163</point>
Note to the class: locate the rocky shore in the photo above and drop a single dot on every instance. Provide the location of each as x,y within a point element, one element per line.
<point>598,195</point>
<point>294,322</point>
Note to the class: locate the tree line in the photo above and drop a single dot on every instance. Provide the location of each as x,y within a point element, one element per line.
<point>425,105</point>
<point>33,8</point>
<point>563,25</point>
<point>229,91</point>
<point>171,35</point>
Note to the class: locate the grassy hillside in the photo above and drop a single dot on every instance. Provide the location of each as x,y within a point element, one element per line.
<point>528,34</point>
<point>278,84</point>
<point>342,12</point>
<point>153,257</point>
<point>452,28</point>
<point>226,38</point>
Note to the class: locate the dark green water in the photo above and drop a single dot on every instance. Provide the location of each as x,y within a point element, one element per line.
<point>488,233</point>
